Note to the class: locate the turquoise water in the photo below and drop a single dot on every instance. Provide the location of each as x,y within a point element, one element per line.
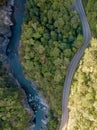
<point>13,57</point>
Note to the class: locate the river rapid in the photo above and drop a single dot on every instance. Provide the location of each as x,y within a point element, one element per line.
<point>35,101</point>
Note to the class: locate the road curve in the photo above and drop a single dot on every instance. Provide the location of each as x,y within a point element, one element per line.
<point>73,64</point>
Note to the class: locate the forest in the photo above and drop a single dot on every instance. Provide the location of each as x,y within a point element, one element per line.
<point>51,34</point>
<point>83,96</point>
<point>13,115</point>
<point>91,12</point>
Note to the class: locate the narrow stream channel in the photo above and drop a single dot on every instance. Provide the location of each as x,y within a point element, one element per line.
<point>40,109</point>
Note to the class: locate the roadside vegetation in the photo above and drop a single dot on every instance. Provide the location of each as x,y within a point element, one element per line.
<point>83,96</point>
<point>91,12</point>
<point>13,116</point>
<point>51,35</point>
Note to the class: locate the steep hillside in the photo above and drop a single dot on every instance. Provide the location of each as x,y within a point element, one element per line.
<point>83,96</point>
<point>13,116</point>
<point>51,35</point>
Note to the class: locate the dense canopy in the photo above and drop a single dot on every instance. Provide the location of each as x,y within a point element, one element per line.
<point>83,96</point>
<point>13,116</point>
<point>51,35</point>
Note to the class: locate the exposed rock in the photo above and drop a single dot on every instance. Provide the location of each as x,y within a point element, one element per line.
<point>5,19</point>
<point>10,3</point>
<point>38,107</point>
<point>5,23</point>
<point>1,40</point>
<point>4,16</point>
<point>3,58</point>
<point>5,31</point>
<point>4,45</point>
<point>5,42</point>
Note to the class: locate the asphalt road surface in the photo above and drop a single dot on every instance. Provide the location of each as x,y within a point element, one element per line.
<point>73,64</point>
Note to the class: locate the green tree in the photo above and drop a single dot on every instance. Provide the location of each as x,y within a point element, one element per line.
<point>50,32</point>
<point>13,116</point>
<point>83,95</point>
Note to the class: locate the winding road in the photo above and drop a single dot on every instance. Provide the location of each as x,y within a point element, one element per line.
<point>73,64</point>
<point>33,97</point>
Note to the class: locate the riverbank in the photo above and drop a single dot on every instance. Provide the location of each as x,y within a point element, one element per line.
<point>9,81</point>
<point>5,31</point>
<point>13,114</point>
<point>6,23</point>
<point>50,38</point>
<point>34,99</point>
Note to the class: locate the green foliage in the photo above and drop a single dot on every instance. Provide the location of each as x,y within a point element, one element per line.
<point>13,116</point>
<point>91,12</point>
<point>50,31</point>
<point>52,124</point>
<point>3,2</point>
<point>83,96</point>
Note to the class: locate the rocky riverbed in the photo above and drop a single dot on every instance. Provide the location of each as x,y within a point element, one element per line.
<point>9,43</point>
<point>5,31</point>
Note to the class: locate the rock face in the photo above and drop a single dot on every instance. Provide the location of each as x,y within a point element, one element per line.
<point>39,108</point>
<point>5,24</point>
<point>5,16</point>
<point>5,34</point>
